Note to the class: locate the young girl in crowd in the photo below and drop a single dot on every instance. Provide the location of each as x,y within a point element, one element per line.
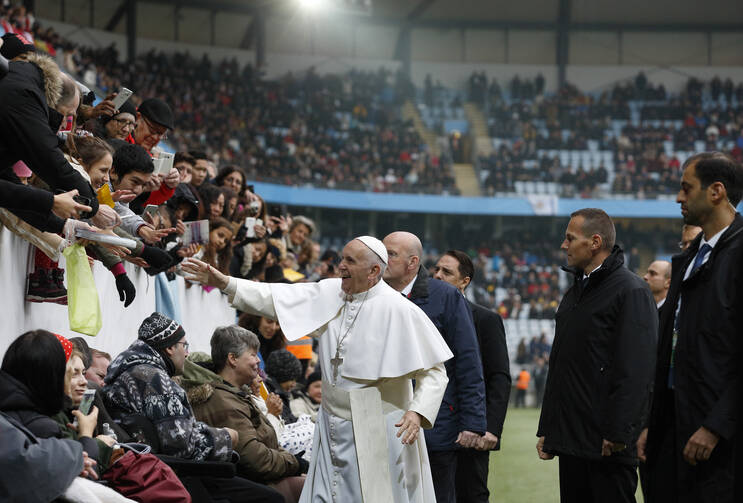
<point>213,201</point>
<point>268,331</point>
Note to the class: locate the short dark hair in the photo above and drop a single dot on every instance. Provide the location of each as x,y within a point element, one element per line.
<point>711,167</point>
<point>198,154</point>
<point>209,194</point>
<point>131,158</point>
<point>183,157</point>
<point>37,360</point>
<point>466,267</point>
<point>596,221</point>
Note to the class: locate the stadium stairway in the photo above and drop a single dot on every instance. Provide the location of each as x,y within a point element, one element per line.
<point>466,180</point>
<point>478,130</point>
<point>410,112</point>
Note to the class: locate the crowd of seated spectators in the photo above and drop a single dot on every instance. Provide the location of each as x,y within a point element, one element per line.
<point>644,148</point>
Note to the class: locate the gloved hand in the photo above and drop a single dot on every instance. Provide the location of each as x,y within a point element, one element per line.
<point>304,465</point>
<point>126,289</point>
<point>157,259</point>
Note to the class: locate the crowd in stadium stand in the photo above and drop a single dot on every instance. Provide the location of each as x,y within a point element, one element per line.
<point>644,152</point>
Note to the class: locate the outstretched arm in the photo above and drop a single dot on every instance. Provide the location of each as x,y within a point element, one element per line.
<point>249,296</point>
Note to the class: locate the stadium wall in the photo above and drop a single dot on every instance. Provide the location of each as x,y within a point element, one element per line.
<point>200,311</point>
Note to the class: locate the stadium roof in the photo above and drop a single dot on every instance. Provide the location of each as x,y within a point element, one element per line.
<point>645,15</point>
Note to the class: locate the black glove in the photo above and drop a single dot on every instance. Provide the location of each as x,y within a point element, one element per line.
<point>126,289</point>
<point>157,259</point>
<point>304,465</point>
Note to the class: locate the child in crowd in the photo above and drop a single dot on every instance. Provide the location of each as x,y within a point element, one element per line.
<point>307,401</point>
<point>213,201</point>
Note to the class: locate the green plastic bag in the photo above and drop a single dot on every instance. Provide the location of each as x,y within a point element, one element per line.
<point>83,307</point>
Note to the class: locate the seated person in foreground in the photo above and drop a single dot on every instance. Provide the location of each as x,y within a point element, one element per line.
<point>219,399</point>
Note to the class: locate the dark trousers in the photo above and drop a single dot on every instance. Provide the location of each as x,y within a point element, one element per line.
<point>229,490</point>
<point>596,481</point>
<point>670,479</point>
<point>472,476</point>
<point>444,470</point>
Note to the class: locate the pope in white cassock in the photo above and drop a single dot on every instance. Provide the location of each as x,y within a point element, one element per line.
<point>373,343</point>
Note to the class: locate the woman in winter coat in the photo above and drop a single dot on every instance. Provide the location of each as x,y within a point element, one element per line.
<point>219,399</point>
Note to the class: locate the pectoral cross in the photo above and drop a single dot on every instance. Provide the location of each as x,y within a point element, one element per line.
<point>336,362</point>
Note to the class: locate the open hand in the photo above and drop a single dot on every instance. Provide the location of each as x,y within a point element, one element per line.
<point>123,196</point>
<point>203,273</point>
<point>151,235</point>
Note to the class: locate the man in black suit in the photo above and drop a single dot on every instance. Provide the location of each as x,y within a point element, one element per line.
<point>694,427</point>
<point>455,267</point>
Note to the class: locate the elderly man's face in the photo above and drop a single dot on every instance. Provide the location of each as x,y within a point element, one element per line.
<point>355,270</point>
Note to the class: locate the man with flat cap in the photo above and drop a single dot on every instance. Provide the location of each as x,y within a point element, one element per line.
<point>154,119</point>
<point>373,342</point>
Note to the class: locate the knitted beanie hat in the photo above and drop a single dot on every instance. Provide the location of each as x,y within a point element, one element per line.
<point>283,366</point>
<point>160,332</point>
<point>315,376</point>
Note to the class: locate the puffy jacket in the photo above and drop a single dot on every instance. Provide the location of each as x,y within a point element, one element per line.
<point>463,406</point>
<point>138,382</point>
<point>219,404</point>
<point>601,365</point>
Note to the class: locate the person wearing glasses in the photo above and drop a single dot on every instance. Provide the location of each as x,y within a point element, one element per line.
<point>118,126</point>
<point>154,120</point>
<point>140,381</point>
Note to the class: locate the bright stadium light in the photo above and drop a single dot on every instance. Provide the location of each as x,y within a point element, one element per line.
<point>311,5</point>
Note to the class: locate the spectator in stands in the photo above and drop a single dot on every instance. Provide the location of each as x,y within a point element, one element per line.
<point>594,402</point>
<point>268,331</point>
<point>218,251</point>
<point>36,378</point>
<point>283,370</point>
<point>230,205</point>
<point>154,119</point>
<point>142,374</point>
<point>139,381</point>
<point>131,171</point>
<point>693,429</point>
<point>118,126</point>
<point>183,162</point>
<point>213,200</point>
<point>32,91</point>
<point>96,372</point>
<point>465,391</point>
<point>456,268</point>
<point>200,168</point>
<point>307,401</point>
<point>218,399</point>
<point>300,229</point>
<point>232,177</point>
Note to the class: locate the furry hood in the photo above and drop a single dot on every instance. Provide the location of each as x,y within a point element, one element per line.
<point>52,77</point>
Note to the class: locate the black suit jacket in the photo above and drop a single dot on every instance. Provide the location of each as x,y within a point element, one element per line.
<point>707,369</point>
<point>491,336</point>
